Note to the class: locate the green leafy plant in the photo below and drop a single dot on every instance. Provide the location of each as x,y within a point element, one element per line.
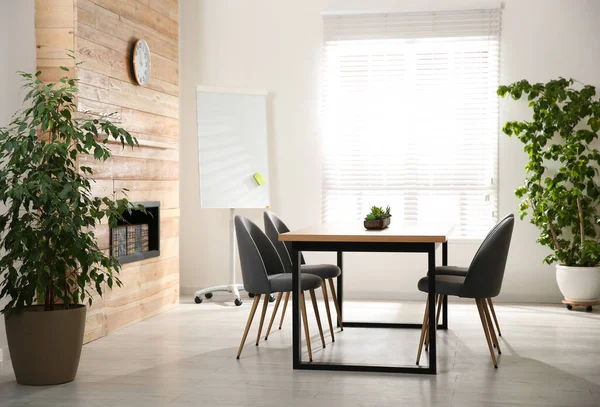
<point>377,212</point>
<point>51,253</point>
<point>561,192</point>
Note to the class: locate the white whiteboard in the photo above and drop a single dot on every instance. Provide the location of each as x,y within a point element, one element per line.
<point>232,144</point>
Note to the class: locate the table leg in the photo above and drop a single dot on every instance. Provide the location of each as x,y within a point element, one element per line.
<point>296,297</point>
<point>444,324</point>
<point>431,299</point>
<point>340,285</point>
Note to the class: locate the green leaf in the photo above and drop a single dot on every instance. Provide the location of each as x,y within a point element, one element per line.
<point>559,193</point>
<point>65,191</point>
<point>50,250</point>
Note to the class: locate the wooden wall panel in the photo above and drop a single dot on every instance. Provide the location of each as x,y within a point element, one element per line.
<point>137,278</point>
<point>123,312</point>
<point>99,108</point>
<point>55,25</point>
<point>149,153</point>
<point>54,43</point>
<point>52,14</point>
<point>102,34</point>
<point>149,140</point>
<point>102,187</point>
<point>143,122</point>
<point>125,94</point>
<point>133,168</point>
<point>120,27</point>
<point>167,192</point>
<point>85,17</point>
<point>167,8</point>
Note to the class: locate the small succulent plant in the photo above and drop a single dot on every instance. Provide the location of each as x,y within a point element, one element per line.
<point>377,212</point>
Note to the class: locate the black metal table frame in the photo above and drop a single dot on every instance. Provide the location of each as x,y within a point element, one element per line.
<point>340,247</point>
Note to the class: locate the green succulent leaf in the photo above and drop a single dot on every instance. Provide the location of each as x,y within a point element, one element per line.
<point>377,212</point>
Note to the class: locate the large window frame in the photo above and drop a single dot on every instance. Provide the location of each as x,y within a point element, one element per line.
<point>410,117</point>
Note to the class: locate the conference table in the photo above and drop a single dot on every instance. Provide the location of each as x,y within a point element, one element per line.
<point>401,237</point>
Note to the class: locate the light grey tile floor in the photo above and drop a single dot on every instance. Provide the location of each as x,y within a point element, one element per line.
<point>186,357</point>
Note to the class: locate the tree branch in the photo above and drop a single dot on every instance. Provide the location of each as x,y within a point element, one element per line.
<point>581,224</point>
<point>554,237</point>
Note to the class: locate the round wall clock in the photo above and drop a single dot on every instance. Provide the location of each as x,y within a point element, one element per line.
<point>141,62</point>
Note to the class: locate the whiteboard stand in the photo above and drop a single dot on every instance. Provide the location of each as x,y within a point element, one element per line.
<point>232,287</point>
<point>233,158</point>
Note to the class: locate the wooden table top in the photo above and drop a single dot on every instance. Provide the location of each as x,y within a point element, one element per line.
<point>400,232</point>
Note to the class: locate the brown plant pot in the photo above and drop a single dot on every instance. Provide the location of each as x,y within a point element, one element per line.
<point>45,346</point>
<point>377,224</point>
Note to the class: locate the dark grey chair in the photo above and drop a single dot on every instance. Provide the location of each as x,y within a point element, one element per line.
<point>263,273</point>
<point>274,226</point>
<point>462,272</point>
<point>483,280</point>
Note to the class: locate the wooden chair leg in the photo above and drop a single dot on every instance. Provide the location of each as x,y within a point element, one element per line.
<point>250,318</point>
<point>317,316</point>
<point>285,303</point>
<point>439,310</point>
<point>305,321</point>
<point>488,319</point>
<point>438,301</point>
<point>485,330</point>
<point>279,296</point>
<point>423,330</point>
<point>335,303</point>
<point>262,317</point>
<point>491,304</point>
<point>326,299</point>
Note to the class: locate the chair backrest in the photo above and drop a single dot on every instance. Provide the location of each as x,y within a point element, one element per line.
<point>486,272</point>
<point>274,226</point>
<point>258,257</point>
<point>491,232</point>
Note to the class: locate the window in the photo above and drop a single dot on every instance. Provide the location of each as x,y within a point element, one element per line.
<point>410,117</point>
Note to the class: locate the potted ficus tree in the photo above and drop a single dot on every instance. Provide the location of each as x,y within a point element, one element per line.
<point>561,191</point>
<point>378,218</point>
<point>51,263</point>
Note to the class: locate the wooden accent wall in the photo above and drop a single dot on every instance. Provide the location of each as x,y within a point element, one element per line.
<point>102,34</point>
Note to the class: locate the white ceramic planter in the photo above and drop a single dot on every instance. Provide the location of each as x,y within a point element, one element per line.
<point>578,283</point>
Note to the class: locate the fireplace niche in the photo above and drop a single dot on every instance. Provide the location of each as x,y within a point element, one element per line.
<point>137,236</point>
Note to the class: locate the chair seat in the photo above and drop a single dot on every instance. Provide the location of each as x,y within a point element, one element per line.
<point>451,271</point>
<point>324,271</point>
<point>447,285</point>
<point>282,283</point>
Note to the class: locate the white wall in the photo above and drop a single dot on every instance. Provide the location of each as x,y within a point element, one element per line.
<point>17,47</point>
<point>275,45</point>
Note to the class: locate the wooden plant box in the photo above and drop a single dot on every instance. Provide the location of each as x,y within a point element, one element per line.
<point>377,224</point>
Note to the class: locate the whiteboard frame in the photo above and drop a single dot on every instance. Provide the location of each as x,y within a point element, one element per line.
<point>237,91</point>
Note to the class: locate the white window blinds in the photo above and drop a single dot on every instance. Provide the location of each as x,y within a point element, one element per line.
<point>410,117</point>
